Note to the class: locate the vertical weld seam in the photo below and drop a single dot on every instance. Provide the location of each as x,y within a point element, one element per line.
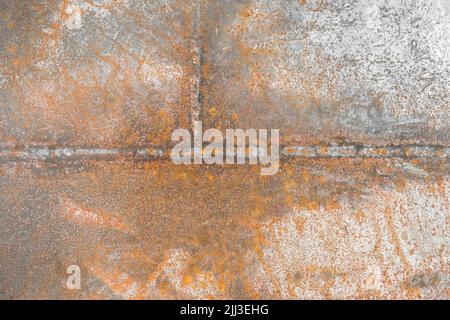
<point>197,63</point>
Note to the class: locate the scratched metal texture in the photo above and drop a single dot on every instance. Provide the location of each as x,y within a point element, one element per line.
<point>91,90</point>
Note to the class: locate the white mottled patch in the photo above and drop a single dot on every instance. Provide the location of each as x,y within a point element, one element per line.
<point>159,75</point>
<point>397,234</point>
<point>372,16</point>
<point>74,20</point>
<point>444,5</point>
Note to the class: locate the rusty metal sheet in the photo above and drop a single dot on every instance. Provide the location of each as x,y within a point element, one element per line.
<point>163,231</point>
<point>92,90</point>
<point>95,73</point>
<point>329,71</point>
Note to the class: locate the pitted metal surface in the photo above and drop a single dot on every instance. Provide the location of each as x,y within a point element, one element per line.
<point>91,91</point>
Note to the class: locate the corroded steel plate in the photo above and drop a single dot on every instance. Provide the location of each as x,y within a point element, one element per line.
<point>92,90</point>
